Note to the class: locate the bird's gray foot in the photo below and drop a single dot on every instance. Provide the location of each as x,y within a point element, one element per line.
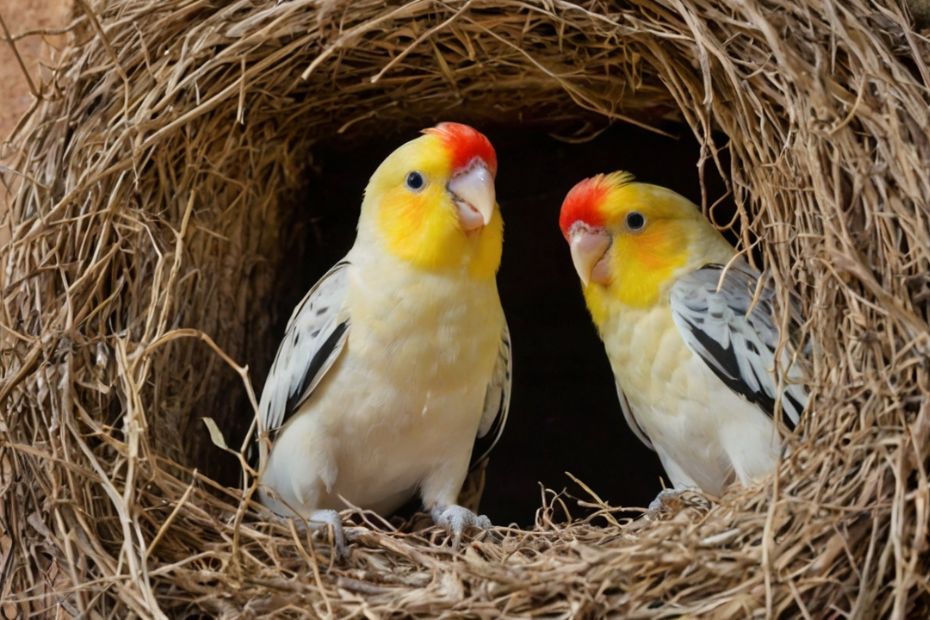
<point>663,501</point>
<point>331,519</point>
<point>456,519</point>
<point>320,520</point>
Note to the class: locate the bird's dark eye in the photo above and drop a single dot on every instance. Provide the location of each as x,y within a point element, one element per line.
<point>415,181</point>
<point>635,220</point>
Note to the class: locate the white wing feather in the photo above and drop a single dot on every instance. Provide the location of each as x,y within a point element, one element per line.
<point>314,338</point>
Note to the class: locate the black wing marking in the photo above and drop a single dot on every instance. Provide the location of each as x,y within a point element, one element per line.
<point>325,353</point>
<point>737,336</point>
<point>496,402</point>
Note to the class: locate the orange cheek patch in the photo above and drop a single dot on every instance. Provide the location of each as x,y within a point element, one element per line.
<point>644,262</point>
<point>423,230</point>
<point>652,248</point>
<point>402,216</point>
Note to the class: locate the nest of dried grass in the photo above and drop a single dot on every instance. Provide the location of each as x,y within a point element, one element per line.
<point>155,182</point>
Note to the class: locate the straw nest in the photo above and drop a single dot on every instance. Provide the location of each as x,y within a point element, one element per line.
<point>153,192</point>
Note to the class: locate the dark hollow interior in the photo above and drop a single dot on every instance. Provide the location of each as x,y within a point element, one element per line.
<point>564,414</point>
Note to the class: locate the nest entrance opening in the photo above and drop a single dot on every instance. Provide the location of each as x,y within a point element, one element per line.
<point>564,413</point>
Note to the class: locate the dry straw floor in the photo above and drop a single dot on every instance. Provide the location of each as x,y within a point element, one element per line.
<point>155,191</point>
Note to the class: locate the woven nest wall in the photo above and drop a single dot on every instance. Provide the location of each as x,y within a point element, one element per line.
<point>156,191</point>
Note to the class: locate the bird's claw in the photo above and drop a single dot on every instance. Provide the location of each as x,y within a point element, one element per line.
<point>322,520</point>
<point>662,501</point>
<point>331,518</point>
<point>456,519</point>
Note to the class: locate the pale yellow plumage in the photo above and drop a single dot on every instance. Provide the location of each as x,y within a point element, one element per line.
<point>693,361</point>
<point>399,357</point>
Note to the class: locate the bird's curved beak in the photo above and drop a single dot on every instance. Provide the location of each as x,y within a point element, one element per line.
<point>473,194</point>
<point>589,254</point>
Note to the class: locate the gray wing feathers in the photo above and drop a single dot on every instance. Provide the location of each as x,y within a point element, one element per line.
<point>316,333</point>
<point>496,401</point>
<point>733,330</point>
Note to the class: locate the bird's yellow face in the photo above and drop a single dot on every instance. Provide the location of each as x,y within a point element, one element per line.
<point>628,240</point>
<point>434,202</point>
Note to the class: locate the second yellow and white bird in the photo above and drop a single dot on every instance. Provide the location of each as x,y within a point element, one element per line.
<point>690,333</point>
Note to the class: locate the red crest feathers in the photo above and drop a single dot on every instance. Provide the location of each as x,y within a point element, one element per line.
<point>582,203</point>
<point>465,144</point>
<point>585,201</point>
